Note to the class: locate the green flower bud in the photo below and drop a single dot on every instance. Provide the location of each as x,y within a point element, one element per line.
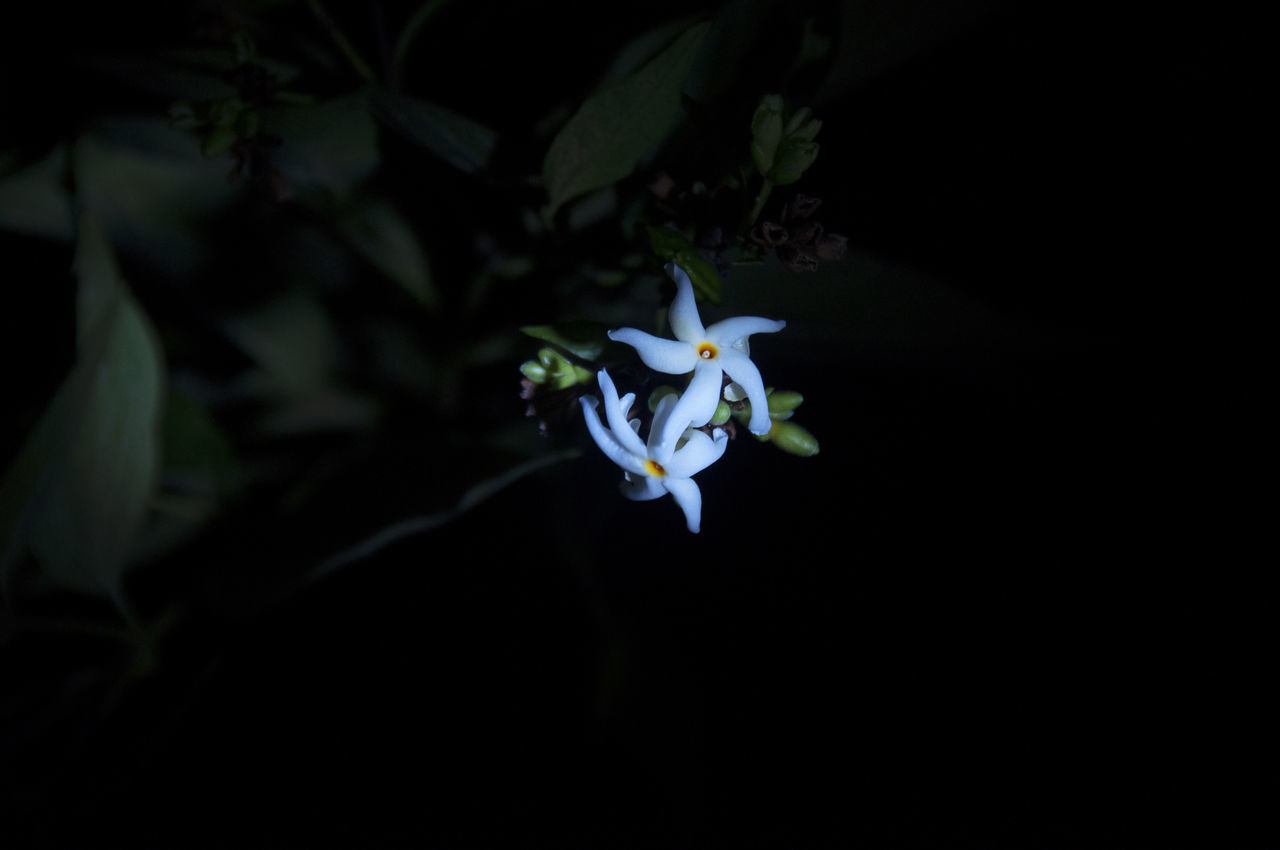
<point>783,403</point>
<point>722,413</point>
<point>657,395</point>
<point>805,132</point>
<point>793,159</point>
<point>571,376</point>
<point>797,118</point>
<point>793,439</point>
<point>218,141</point>
<point>766,132</point>
<point>534,371</point>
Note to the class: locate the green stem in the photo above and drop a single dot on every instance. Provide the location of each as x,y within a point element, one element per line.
<point>762,197</point>
<point>340,39</point>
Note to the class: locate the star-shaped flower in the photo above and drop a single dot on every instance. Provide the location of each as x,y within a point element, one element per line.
<point>709,353</point>
<point>651,470</point>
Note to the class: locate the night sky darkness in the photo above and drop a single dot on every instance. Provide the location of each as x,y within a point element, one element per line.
<point>997,610</point>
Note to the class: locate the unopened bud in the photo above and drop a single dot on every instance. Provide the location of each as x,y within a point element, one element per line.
<point>721,415</point>
<point>800,206</point>
<point>784,402</point>
<point>534,371</point>
<point>769,233</point>
<point>793,439</point>
<point>806,132</point>
<point>766,132</point>
<point>798,117</point>
<point>831,246</point>
<point>794,157</point>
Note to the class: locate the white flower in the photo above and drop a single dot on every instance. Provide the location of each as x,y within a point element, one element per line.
<point>652,470</point>
<point>709,353</point>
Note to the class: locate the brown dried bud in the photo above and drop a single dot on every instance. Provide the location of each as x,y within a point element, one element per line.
<point>800,206</point>
<point>831,246</point>
<point>806,232</point>
<point>797,259</point>
<point>770,233</point>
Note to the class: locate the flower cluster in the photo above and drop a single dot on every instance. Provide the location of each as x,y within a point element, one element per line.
<point>675,448</point>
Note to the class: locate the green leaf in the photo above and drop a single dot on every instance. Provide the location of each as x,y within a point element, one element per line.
<point>35,199</point>
<point>77,495</point>
<point>581,338</point>
<point>331,145</point>
<point>385,238</point>
<point>620,124</point>
<point>465,144</point>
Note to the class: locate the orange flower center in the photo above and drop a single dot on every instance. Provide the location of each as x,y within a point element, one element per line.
<point>707,351</point>
<point>655,468</point>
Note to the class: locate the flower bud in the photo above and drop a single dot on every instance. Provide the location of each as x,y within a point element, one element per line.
<point>806,132</point>
<point>793,439</point>
<point>769,233</point>
<point>800,206</point>
<point>784,402</point>
<point>534,371</point>
<point>721,415</point>
<point>792,160</point>
<point>797,118</point>
<point>831,246</point>
<point>766,132</point>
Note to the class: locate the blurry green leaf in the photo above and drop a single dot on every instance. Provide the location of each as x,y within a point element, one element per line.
<point>618,125</point>
<point>35,200</point>
<point>645,46</point>
<point>154,202</point>
<point>732,42</point>
<point>382,236</point>
<point>581,338</point>
<point>197,453</point>
<point>78,492</point>
<point>465,144</point>
<point>292,339</point>
<point>331,145</point>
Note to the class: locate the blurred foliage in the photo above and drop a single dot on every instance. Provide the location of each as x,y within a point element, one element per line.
<point>310,251</point>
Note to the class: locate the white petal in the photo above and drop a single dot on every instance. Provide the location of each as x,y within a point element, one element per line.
<point>699,452</point>
<point>688,497</point>
<point>608,443</point>
<point>617,420</point>
<point>661,414</point>
<point>695,408</point>
<point>727,333</point>
<point>740,368</point>
<point>625,403</point>
<point>641,488</point>
<point>683,315</point>
<point>662,355</point>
